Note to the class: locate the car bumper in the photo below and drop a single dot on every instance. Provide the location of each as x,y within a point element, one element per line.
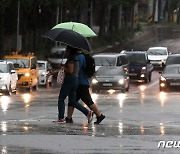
<point>169,85</point>
<point>107,86</point>
<point>3,88</point>
<point>137,76</point>
<point>157,63</point>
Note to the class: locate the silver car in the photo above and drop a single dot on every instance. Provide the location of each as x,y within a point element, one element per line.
<point>45,76</point>
<point>110,77</point>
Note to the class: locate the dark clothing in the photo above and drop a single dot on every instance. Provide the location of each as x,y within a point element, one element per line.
<point>83,94</point>
<point>69,88</point>
<point>83,87</point>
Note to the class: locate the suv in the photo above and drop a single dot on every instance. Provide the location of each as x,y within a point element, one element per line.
<point>27,69</point>
<point>111,59</point>
<point>8,77</point>
<point>140,67</point>
<point>158,56</point>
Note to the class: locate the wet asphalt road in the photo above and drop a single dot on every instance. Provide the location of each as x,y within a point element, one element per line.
<point>135,122</point>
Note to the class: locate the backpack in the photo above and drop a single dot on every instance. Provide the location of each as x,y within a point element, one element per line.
<point>90,65</point>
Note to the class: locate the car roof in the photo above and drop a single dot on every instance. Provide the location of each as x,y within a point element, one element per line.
<point>158,48</point>
<point>107,55</point>
<point>133,51</point>
<point>5,62</point>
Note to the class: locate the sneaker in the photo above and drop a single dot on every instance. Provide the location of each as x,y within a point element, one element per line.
<point>99,119</point>
<point>90,117</point>
<point>69,120</point>
<point>60,121</point>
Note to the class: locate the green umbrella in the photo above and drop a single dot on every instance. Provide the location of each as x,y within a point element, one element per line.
<point>77,27</point>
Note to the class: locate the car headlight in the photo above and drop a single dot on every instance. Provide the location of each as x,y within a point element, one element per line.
<point>27,74</point>
<point>162,78</point>
<point>3,87</point>
<point>143,69</point>
<point>121,81</point>
<point>43,74</point>
<point>94,81</point>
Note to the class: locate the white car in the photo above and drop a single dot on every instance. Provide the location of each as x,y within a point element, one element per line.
<point>45,78</point>
<point>158,56</point>
<point>8,78</point>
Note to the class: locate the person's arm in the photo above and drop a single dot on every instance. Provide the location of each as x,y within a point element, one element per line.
<point>69,68</point>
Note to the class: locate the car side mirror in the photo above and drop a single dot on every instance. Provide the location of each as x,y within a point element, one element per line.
<point>13,71</point>
<point>33,66</point>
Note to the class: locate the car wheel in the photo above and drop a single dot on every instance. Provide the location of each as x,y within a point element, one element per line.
<point>8,92</point>
<point>146,80</point>
<point>35,87</point>
<point>150,75</point>
<point>127,89</point>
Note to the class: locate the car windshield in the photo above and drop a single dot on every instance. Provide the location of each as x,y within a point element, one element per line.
<point>172,70</point>
<point>105,61</point>
<point>41,66</point>
<point>157,52</point>
<point>20,63</point>
<point>136,58</point>
<point>173,60</point>
<point>58,54</point>
<point>3,68</point>
<point>108,71</point>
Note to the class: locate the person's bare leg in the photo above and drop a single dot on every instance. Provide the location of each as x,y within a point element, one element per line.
<point>70,111</point>
<point>94,108</point>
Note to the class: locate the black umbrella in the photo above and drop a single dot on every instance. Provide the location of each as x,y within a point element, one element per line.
<point>68,37</point>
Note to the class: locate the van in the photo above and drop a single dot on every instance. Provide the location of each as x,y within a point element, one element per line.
<point>27,69</point>
<point>57,56</point>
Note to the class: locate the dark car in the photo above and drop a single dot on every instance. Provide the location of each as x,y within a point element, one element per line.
<point>110,77</point>
<point>140,67</point>
<point>170,77</point>
<point>173,59</point>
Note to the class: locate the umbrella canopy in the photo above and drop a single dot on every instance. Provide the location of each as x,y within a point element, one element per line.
<point>68,37</point>
<point>77,27</point>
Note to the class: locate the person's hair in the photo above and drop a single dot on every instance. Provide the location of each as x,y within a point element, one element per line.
<point>72,50</point>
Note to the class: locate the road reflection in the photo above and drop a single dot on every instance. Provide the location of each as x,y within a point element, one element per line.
<point>121,97</point>
<point>5,100</point>
<point>162,97</point>
<point>162,129</point>
<point>4,127</point>
<point>4,150</point>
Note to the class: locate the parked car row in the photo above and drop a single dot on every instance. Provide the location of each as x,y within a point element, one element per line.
<point>19,71</point>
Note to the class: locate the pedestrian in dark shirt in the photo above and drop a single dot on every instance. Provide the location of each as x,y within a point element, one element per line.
<point>69,86</point>
<point>83,93</point>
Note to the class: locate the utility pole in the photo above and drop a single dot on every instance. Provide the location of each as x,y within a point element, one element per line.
<point>17,43</point>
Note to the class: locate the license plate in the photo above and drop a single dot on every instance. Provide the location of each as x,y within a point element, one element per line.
<point>132,74</point>
<point>174,84</point>
<point>107,84</point>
